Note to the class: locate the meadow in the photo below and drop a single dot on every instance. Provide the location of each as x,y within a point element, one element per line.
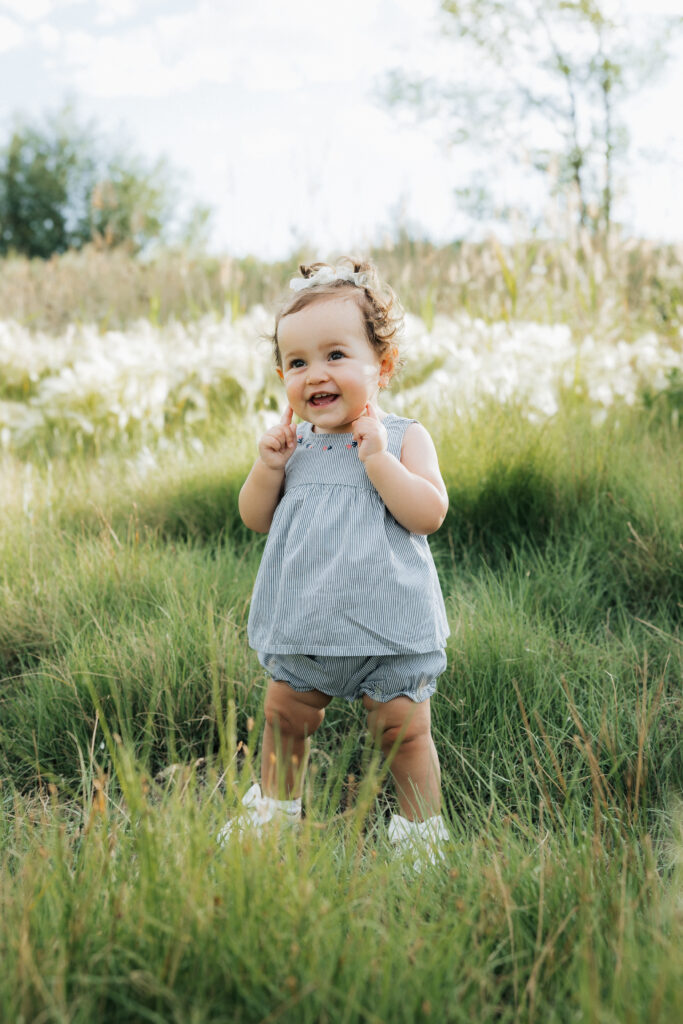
<point>130,703</point>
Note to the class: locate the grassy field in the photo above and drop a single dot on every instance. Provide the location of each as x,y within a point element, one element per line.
<point>616,287</point>
<point>130,710</point>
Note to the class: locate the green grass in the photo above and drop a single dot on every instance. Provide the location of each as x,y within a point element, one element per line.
<point>130,710</point>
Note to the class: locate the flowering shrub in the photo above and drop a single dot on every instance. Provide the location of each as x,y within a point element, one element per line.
<point>84,388</point>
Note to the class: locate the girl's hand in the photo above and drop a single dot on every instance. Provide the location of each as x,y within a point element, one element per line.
<point>370,433</point>
<point>277,444</point>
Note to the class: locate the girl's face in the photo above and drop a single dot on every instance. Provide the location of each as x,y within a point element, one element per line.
<point>329,368</point>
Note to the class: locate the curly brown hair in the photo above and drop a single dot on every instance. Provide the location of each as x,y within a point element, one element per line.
<point>381,311</point>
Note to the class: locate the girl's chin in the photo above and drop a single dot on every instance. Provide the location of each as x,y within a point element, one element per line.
<point>331,423</point>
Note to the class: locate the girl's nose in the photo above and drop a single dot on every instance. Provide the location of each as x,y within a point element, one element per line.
<point>317,372</point>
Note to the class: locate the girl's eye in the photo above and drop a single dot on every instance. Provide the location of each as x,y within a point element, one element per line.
<point>294,364</point>
<point>336,354</point>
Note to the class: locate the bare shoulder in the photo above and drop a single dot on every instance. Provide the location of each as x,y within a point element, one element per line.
<point>418,455</point>
<point>417,443</point>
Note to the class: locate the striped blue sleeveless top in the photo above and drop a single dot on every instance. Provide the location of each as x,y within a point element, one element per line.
<point>339,575</point>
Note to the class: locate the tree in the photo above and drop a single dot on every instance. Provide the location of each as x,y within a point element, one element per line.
<point>128,204</point>
<point>62,187</point>
<point>555,70</point>
<point>45,176</point>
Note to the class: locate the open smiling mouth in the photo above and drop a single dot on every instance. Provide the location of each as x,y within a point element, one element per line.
<point>322,399</point>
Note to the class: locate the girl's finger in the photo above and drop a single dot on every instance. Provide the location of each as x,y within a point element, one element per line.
<point>286,418</point>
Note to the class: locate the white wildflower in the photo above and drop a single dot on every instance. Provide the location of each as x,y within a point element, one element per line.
<point>91,385</point>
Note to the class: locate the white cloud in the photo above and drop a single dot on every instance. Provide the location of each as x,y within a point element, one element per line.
<point>109,66</point>
<point>11,34</point>
<point>49,37</point>
<point>29,10</point>
<point>36,10</point>
<point>261,45</point>
<point>110,12</point>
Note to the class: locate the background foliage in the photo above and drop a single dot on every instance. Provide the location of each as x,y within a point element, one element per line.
<point>542,86</point>
<point>64,186</point>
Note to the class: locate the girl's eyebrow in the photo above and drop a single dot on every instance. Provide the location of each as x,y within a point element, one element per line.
<point>293,353</point>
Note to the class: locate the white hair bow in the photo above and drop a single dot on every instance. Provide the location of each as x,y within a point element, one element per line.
<point>326,275</point>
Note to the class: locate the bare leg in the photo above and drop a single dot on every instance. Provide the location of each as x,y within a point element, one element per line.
<point>291,719</point>
<point>415,764</point>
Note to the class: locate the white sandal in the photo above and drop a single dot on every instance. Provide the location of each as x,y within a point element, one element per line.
<point>260,810</point>
<point>424,840</point>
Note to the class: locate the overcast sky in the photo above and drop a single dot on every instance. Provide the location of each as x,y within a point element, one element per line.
<point>267,107</point>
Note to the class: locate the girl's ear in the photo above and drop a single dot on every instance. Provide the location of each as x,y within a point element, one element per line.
<point>387,366</point>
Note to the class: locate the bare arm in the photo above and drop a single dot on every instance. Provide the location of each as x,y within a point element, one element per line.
<point>259,496</point>
<point>412,489</point>
<point>262,489</point>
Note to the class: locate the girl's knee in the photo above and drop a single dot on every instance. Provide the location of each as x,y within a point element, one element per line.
<point>401,737</point>
<point>291,713</point>
<point>399,722</point>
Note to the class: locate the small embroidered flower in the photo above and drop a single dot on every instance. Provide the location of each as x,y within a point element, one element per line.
<point>299,439</point>
<point>354,444</point>
<point>310,444</point>
<point>327,448</point>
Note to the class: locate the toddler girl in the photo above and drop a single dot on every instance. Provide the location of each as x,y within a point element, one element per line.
<point>346,602</point>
